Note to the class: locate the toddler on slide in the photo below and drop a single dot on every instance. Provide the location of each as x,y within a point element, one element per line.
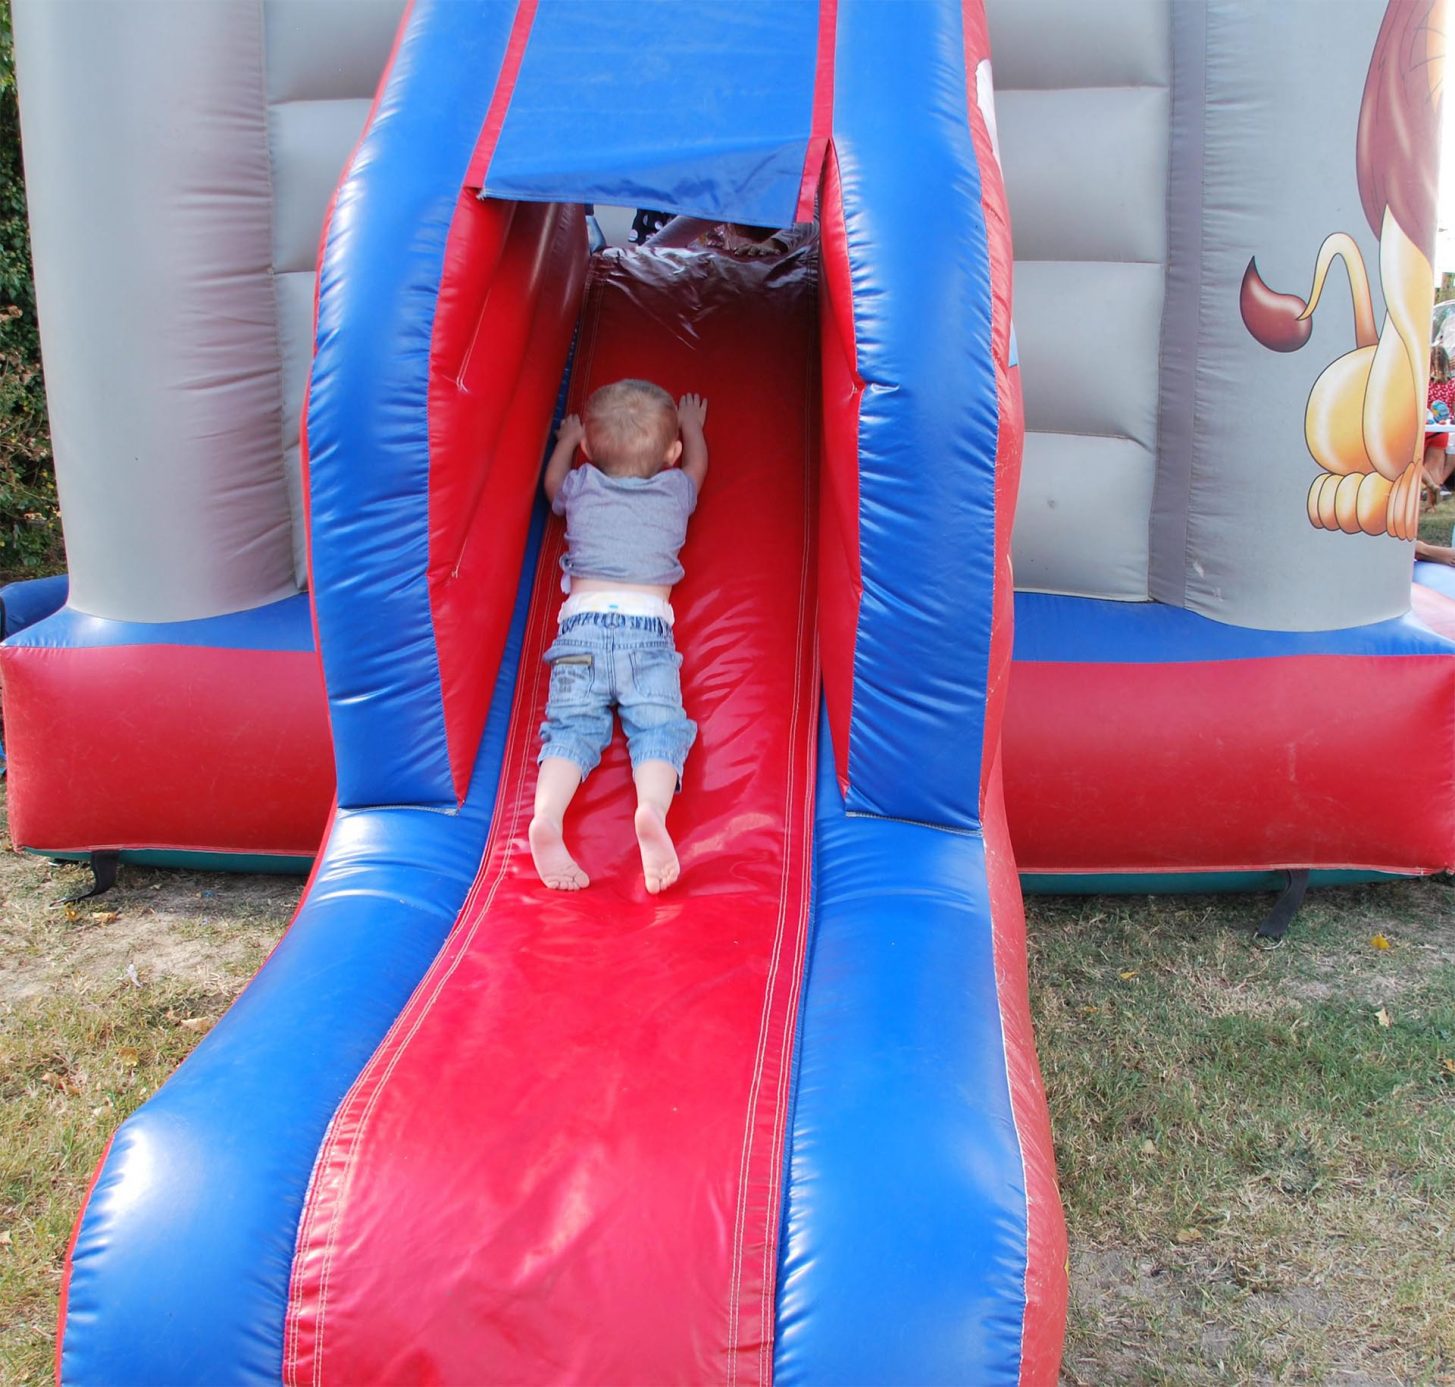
<point>626,512</point>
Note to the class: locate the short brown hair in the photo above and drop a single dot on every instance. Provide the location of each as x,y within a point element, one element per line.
<point>630,425</point>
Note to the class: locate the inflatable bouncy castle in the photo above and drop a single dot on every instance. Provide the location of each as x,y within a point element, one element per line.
<point>783,1122</point>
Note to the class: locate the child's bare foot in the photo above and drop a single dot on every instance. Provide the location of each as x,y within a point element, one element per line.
<point>555,866</point>
<point>659,858</point>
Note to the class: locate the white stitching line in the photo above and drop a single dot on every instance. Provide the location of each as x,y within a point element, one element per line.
<point>292,1326</point>
<point>770,1248</point>
<point>863,386</point>
<point>539,609</point>
<point>745,1160</point>
<point>740,1224</point>
<point>780,1114</point>
<point>997,954</point>
<point>290,1320</point>
<point>477,911</point>
<point>915,823</point>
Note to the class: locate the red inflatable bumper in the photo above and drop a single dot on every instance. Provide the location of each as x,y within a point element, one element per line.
<point>1144,739</point>
<point>166,747</point>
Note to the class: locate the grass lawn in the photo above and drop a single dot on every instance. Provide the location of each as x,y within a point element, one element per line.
<point>1257,1150</point>
<point>1437,522</point>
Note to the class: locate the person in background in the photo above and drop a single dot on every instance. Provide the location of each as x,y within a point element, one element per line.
<point>1438,462</point>
<point>646,224</point>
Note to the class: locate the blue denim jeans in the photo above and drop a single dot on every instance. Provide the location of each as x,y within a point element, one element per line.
<point>604,660</point>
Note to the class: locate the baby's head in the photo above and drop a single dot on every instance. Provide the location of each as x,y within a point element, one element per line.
<point>631,429</point>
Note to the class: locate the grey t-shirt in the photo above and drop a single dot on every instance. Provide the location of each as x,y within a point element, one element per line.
<point>625,528</point>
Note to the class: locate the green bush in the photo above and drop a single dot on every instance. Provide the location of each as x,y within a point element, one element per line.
<point>30,531</point>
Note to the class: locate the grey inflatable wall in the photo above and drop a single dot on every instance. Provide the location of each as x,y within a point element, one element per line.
<point>180,154</point>
<point>1266,125</point>
<point>1083,105</point>
<point>1151,148</point>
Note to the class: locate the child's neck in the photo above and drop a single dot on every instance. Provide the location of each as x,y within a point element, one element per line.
<point>644,474</point>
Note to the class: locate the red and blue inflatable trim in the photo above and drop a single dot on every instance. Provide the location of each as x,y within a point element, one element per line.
<point>197,1204</point>
<point>920,1175</point>
<point>1083,630</point>
<point>195,736</point>
<point>1142,739</point>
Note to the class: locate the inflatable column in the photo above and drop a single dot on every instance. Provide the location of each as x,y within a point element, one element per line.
<point>178,161</point>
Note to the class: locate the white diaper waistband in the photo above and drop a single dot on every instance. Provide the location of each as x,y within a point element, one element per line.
<point>623,603</point>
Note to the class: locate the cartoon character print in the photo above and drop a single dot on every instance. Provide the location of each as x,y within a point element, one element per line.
<point>1364,423</point>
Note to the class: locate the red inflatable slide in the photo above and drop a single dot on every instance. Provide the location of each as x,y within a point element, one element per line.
<point>576,1066</point>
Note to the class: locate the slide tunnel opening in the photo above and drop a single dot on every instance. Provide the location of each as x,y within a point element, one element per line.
<point>513,294</point>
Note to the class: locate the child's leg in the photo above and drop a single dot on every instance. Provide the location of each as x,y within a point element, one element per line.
<point>1432,474</point>
<point>656,783</point>
<point>659,735</point>
<point>1438,465</point>
<point>554,788</point>
<point>573,736</point>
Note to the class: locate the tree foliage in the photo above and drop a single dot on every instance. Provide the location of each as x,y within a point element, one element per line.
<point>30,540</point>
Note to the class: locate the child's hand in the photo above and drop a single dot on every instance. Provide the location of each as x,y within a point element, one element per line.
<point>692,413</point>
<point>571,432</point>
<point>691,417</point>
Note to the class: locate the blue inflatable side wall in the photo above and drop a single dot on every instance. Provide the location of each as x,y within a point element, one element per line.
<point>23,604</point>
<point>368,422</point>
<point>905,1198</point>
<point>197,1205</point>
<point>929,417</point>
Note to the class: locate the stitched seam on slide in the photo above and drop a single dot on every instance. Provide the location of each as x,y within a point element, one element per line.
<point>740,1229</point>
<point>745,1160</point>
<point>539,609</point>
<point>1012,1089</point>
<point>806,764</point>
<point>785,1058</point>
<point>477,914</point>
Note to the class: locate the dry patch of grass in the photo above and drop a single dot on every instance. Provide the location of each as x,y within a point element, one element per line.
<point>200,927</point>
<point>72,1064</point>
<point>1436,523</point>
<point>1254,1146</point>
<point>99,1003</point>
